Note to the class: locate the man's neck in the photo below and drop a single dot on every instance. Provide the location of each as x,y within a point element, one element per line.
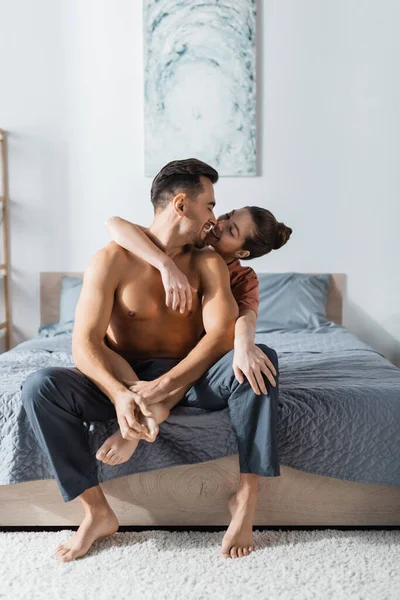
<point>163,232</point>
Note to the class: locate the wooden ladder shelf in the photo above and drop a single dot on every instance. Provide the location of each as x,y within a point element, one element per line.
<point>4,267</point>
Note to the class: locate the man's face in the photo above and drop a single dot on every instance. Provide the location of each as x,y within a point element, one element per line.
<point>200,214</point>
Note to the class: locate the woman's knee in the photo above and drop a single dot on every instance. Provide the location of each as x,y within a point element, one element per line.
<point>271,353</point>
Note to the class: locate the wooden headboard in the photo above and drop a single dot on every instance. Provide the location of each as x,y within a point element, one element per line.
<point>50,289</point>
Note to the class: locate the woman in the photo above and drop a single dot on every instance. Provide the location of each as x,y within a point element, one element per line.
<point>244,234</point>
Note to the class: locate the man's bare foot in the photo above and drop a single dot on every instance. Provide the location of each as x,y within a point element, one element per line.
<point>116,450</point>
<point>95,526</point>
<point>238,539</point>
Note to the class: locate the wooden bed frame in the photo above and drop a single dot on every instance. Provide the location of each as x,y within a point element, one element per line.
<point>193,495</point>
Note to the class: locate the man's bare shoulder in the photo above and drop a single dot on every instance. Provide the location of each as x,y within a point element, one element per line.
<point>207,255</point>
<point>210,265</point>
<point>209,262</point>
<point>112,258</point>
<point>113,253</point>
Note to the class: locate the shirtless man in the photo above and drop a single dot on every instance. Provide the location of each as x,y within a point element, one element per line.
<point>122,301</point>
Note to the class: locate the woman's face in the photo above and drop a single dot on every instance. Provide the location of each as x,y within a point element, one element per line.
<point>230,233</point>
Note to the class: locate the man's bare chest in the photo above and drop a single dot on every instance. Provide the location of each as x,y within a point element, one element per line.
<point>141,295</point>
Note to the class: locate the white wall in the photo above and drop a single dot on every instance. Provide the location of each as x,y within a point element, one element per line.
<point>71,98</point>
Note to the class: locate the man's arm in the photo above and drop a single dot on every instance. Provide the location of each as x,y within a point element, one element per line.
<point>220,312</point>
<point>101,279</point>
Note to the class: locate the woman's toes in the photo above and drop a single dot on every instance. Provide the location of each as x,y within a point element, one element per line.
<point>240,553</point>
<point>233,552</point>
<point>245,552</point>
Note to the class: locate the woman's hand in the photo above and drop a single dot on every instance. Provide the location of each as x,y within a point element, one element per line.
<point>178,291</point>
<point>250,360</point>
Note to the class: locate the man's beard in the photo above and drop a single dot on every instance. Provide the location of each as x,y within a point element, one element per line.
<point>199,243</point>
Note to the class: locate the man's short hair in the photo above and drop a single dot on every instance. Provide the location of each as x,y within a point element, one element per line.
<point>180,176</point>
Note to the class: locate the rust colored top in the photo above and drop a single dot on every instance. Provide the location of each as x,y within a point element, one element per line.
<point>244,285</point>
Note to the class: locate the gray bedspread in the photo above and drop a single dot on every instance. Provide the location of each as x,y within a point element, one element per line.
<point>339,412</point>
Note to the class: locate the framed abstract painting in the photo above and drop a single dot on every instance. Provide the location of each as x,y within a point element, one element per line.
<point>200,84</point>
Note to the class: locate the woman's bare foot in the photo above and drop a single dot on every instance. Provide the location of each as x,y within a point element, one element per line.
<point>238,539</point>
<point>116,450</point>
<point>95,526</point>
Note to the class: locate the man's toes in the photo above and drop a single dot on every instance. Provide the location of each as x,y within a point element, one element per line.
<point>66,557</point>
<point>101,453</point>
<point>108,456</point>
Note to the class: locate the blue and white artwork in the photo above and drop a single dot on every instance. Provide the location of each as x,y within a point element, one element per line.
<point>200,83</point>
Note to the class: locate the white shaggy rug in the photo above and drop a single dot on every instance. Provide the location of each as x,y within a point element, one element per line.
<point>158,565</point>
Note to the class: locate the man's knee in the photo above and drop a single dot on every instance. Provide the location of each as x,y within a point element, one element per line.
<point>36,383</point>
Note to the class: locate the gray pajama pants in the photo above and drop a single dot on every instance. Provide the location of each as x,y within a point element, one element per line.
<point>57,401</point>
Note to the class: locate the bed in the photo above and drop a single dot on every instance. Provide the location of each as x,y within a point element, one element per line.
<point>339,439</point>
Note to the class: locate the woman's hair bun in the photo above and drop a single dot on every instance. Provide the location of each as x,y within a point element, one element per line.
<point>282,235</point>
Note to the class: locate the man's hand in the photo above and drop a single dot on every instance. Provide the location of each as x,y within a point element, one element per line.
<point>150,392</point>
<point>127,405</point>
<point>250,360</point>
